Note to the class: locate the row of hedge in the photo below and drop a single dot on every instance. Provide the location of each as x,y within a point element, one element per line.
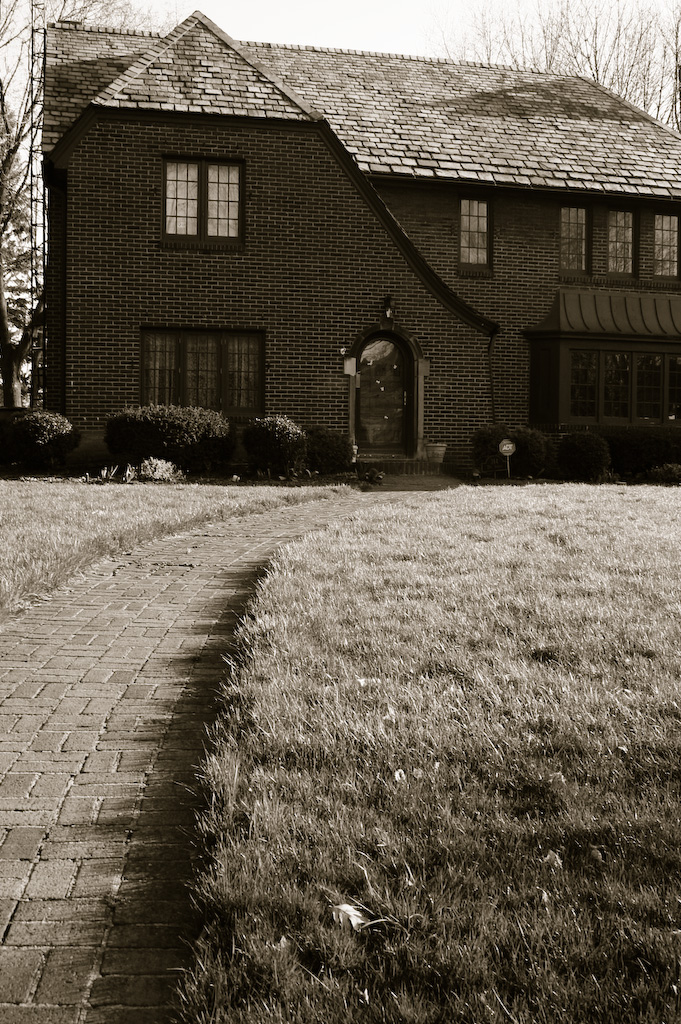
<point>199,440</point>
<point>195,440</point>
<point>623,452</point>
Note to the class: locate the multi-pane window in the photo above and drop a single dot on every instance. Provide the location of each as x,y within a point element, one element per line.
<point>620,242</point>
<point>624,386</point>
<point>573,238</point>
<point>674,389</point>
<point>649,387</point>
<point>666,253</point>
<point>219,370</point>
<point>223,200</point>
<point>474,233</point>
<point>584,384</point>
<point>616,372</point>
<point>202,201</point>
<point>182,198</point>
<point>242,372</point>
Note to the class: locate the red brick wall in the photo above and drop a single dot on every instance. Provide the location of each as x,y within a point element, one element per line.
<point>525,265</point>
<point>312,275</point>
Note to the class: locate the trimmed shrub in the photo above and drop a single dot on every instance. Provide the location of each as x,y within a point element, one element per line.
<point>533,452</point>
<point>669,474</point>
<point>583,456</point>
<point>194,439</point>
<point>275,445</point>
<point>636,450</point>
<point>328,451</point>
<point>485,443</point>
<point>42,440</point>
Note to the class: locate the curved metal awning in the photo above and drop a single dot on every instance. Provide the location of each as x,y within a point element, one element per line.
<point>615,314</point>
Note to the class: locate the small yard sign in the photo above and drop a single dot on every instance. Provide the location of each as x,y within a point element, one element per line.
<point>507,447</point>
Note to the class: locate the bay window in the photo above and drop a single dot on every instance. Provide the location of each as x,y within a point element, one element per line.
<point>624,386</point>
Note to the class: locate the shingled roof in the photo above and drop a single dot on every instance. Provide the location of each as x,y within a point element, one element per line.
<point>78,63</point>
<point>408,116</point>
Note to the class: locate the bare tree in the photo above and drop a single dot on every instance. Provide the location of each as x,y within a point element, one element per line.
<point>21,301</point>
<point>629,46</point>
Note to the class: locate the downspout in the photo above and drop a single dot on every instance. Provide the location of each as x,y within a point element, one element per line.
<point>492,339</point>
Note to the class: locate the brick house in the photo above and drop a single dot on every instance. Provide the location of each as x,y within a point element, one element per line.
<point>395,247</point>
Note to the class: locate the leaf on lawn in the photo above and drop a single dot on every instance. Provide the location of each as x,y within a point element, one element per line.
<point>553,860</point>
<point>344,914</point>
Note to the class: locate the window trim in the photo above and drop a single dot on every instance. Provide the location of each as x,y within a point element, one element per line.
<point>633,350</point>
<point>472,269</point>
<point>623,275</point>
<point>668,213</point>
<point>222,337</point>
<point>201,240</point>
<point>588,241</point>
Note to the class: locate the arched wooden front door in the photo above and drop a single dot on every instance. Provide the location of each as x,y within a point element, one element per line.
<point>383,400</point>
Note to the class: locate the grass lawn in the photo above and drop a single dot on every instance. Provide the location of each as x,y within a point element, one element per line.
<point>51,529</point>
<point>446,782</point>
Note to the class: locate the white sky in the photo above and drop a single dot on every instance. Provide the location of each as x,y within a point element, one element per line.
<point>394,26</point>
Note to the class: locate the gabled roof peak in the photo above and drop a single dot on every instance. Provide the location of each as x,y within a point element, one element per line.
<point>198,68</point>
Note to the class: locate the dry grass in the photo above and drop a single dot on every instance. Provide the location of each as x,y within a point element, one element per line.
<point>461,717</point>
<point>51,529</point>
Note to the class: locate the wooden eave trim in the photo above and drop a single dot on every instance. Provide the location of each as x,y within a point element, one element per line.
<point>590,197</point>
<point>594,338</point>
<point>61,152</point>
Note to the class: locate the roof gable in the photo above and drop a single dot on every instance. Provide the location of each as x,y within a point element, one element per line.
<point>199,69</point>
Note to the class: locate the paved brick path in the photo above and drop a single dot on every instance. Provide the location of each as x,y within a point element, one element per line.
<point>105,692</point>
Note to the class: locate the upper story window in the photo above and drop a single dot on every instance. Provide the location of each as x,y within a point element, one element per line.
<point>573,238</point>
<point>666,252</point>
<point>620,242</point>
<point>474,233</point>
<point>203,201</point>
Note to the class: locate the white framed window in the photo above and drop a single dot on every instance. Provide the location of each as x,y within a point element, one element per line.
<point>573,252</point>
<point>620,242</point>
<point>666,251</point>
<point>202,201</point>
<point>474,234</point>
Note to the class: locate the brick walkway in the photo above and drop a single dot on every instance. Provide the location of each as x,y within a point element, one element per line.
<point>105,693</point>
